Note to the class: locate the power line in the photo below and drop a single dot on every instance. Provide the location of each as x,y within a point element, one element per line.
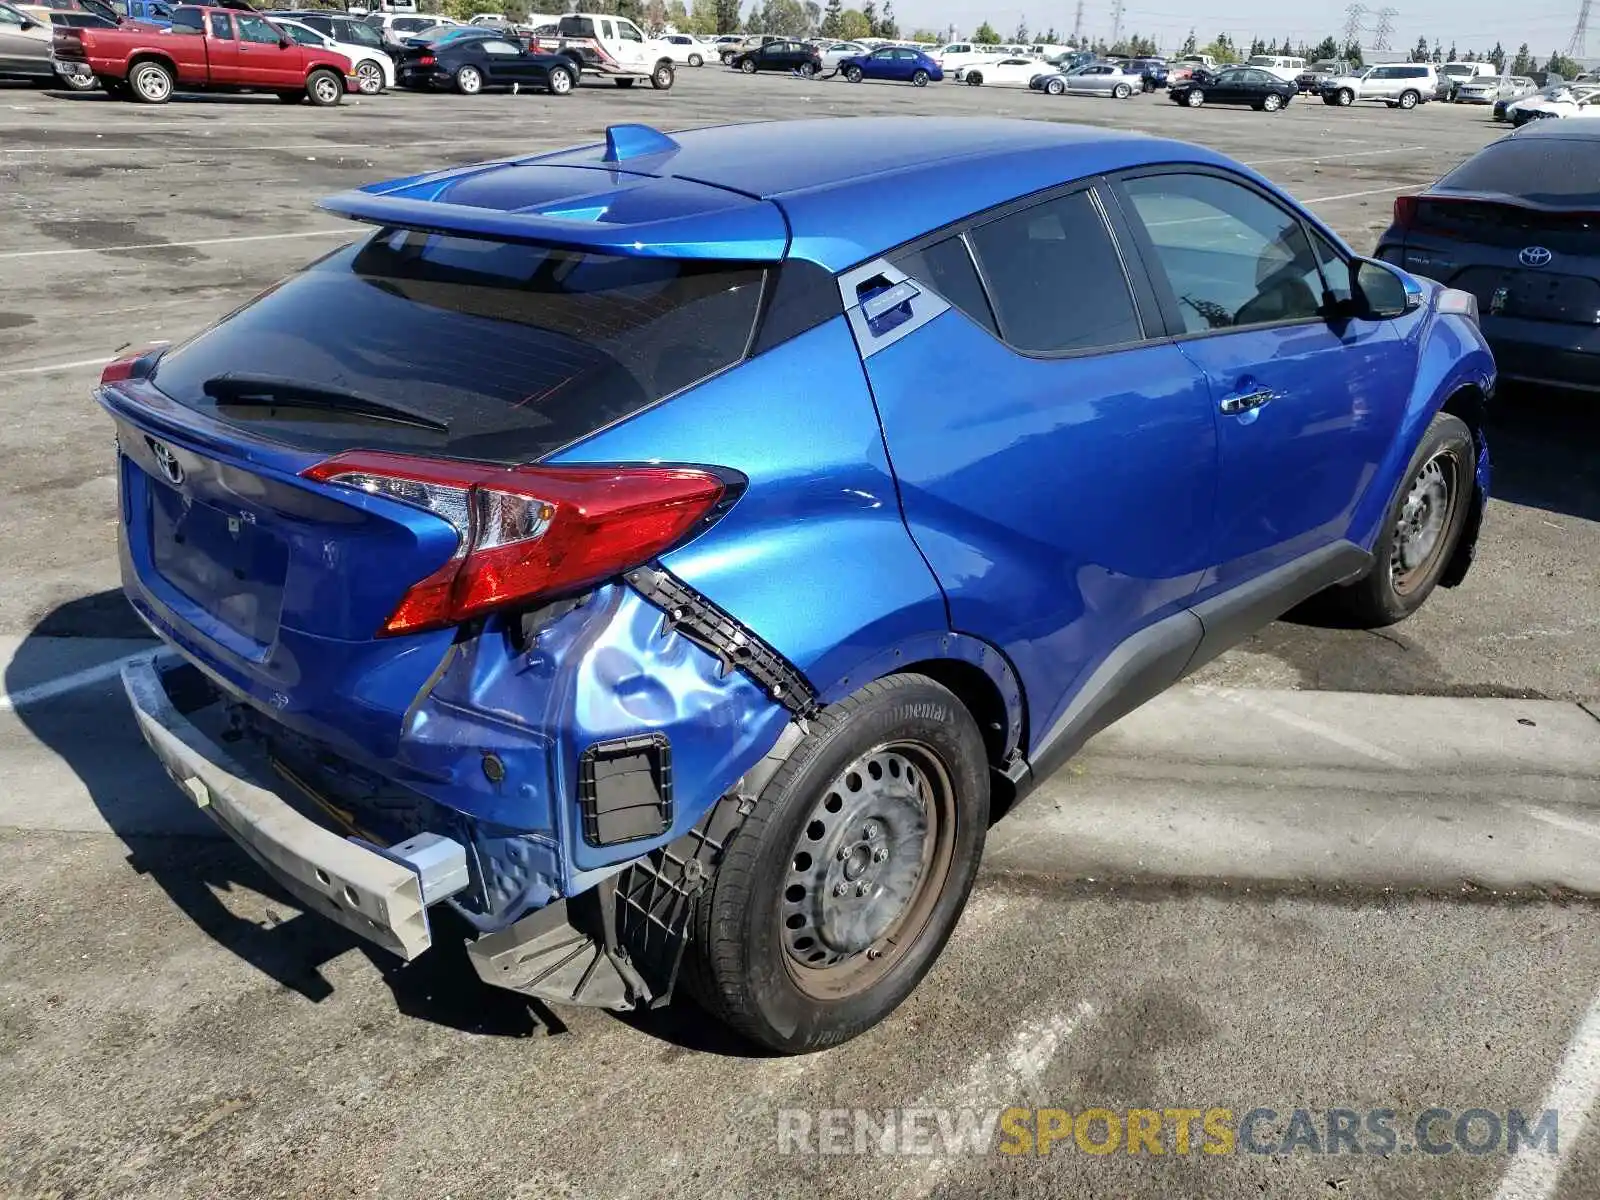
<point>1385,27</point>
<point>1077,26</point>
<point>1116,21</point>
<point>1578,47</point>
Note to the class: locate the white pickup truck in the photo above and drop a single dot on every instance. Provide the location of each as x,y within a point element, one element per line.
<point>611,46</point>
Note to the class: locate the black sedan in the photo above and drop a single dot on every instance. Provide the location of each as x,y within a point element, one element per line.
<point>1517,226</point>
<point>1235,85</point>
<point>778,56</point>
<point>469,65</point>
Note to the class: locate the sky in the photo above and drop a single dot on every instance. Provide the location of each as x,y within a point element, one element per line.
<point>1546,25</point>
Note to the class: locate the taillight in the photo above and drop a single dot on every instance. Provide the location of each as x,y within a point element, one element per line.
<point>1405,211</point>
<point>136,365</point>
<point>426,60</point>
<point>527,532</point>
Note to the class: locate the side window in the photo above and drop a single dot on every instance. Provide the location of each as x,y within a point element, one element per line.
<point>1335,269</point>
<point>254,29</point>
<point>606,31</point>
<point>628,33</point>
<point>1056,279</point>
<point>304,36</point>
<point>946,267</point>
<point>221,27</point>
<point>493,46</point>
<point>1233,257</point>
<point>187,20</point>
<point>7,17</point>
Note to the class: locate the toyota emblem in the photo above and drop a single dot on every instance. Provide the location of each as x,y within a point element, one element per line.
<point>1535,256</point>
<point>166,460</point>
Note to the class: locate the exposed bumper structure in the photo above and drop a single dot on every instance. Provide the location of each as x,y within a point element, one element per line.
<point>380,894</point>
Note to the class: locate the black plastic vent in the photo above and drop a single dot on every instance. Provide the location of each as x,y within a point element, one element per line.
<point>625,789</point>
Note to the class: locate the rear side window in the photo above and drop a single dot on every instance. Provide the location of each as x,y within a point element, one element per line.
<point>1056,279</point>
<point>947,268</point>
<point>187,20</point>
<point>1567,172</point>
<point>519,349</point>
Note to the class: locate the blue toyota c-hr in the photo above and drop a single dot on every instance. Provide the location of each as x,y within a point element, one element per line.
<point>666,553</point>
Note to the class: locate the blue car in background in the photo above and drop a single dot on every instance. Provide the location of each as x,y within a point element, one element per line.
<point>902,64</point>
<point>667,554</point>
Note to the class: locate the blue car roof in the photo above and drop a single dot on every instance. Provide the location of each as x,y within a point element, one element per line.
<point>835,191</point>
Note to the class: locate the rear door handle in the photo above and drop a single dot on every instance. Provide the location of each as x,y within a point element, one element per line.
<point>1247,401</point>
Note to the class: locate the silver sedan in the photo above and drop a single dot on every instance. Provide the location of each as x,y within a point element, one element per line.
<point>1488,91</point>
<point>1095,79</point>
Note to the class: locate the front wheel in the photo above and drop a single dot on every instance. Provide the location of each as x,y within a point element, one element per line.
<point>469,81</point>
<point>1344,98</point>
<point>561,81</point>
<point>1419,538</point>
<point>853,74</point>
<point>663,77</point>
<point>696,61</point>
<point>1121,92</point>
<point>974,79</point>
<point>1271,102</point>
<point>807,70</point>
<point>1055,87</point>
<point>324,89</point>
<point>1195,98</point>
<point>919,78</point>
<point>748,66</point>
<point>842,886</point>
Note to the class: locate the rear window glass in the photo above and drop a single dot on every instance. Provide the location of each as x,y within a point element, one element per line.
<point>519,349</point>
<point>1544,170</point>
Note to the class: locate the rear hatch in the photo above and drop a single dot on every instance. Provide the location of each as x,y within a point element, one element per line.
<point>427,367</point>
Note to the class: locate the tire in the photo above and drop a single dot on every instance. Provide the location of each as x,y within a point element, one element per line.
<point>1056,87</point>
<point>1409,100</point>
<point>76,83</point>
<point>1344,97</point>
<point>777,952</point>
<point>560,81</point>
<point>1271,102</point>
<point>324,89</point>
<point>919,78</point>
<point>1330,100</point>
<point>1121,92</point>
<point>748,66</point>
<point>150,83</point>
<point>469,81</point>
<point>974,78</point>
<point>1404,570</point>
<point>1194,98</point>
<point>853,73</point>
<point>696,61</point>
<point>663,77</point>
<point>807,70</point>
<point>369,78</point>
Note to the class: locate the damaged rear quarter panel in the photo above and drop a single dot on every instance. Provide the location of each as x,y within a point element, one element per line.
<point>607,669</point>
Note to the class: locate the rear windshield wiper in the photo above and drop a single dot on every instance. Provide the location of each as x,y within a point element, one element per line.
<point>277,391</point>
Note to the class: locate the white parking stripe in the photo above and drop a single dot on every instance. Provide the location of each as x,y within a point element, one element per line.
<point>1383,191</point>
<point>349,231</point>
<point>1534,1174</point>
<point>67,683</point>
<point>54,367</point>
<point>1320,158</point>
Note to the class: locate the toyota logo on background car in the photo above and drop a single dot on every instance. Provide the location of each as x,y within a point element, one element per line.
<point>166,460</point>
<point>1535,256</point>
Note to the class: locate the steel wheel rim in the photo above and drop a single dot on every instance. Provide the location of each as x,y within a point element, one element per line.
<point>1425,516</point>
<point>152,84</point>
<point>370,76</point>
<point>867,870</point>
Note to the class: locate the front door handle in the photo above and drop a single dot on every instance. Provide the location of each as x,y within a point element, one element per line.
<point>1248,401</point>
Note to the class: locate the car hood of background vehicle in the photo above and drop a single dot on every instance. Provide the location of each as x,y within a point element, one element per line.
<point>835,191</point>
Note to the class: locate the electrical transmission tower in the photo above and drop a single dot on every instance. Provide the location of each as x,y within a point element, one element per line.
<point>1578,47</point>
<point>1116,21</point>
<point>1385,26</point>
<point>1077,28</point>
<point>1354,20</point>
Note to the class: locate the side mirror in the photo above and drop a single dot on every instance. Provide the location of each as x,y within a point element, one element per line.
<point>284,43</point>
<point>1380,291</point>
<point>29,23</point>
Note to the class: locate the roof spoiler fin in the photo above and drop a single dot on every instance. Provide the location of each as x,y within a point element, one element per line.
<point>635,141</point>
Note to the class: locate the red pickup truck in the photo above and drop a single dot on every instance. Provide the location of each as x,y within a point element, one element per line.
<point>205,49</point>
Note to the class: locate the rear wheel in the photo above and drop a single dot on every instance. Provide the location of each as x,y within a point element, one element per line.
<point>853,74</point>
<point>324,88</point>
<point>1055,87</point>
<point>1419,538</point>
<point>1271,102</point>
<point>1409,100</point>
<point>919,78</point>
<point>560,81</point>
<point>369,78</point>
<point>469,81</point>
<point>839,891</point>
<point>1194,98</point>
<point>696,61</point>
<point>1122,91</point>
<point>151,83</point>
<point>663,77</point>
<point>76,83</point>
<point>807,70</point>
<point>974,79</point>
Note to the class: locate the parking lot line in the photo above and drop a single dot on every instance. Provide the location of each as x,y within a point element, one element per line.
<point>1572,1094</point>
<point>1300,158</point>
<point>120,149</point>
<point>10,701</point>
<point>1383,191</point>
<point>51,368</point>
<point>346,231</point>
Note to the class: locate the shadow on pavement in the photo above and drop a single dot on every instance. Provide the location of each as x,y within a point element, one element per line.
<point>1546,450</point>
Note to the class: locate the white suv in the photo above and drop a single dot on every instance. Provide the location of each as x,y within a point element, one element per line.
<point>1399,85</point>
